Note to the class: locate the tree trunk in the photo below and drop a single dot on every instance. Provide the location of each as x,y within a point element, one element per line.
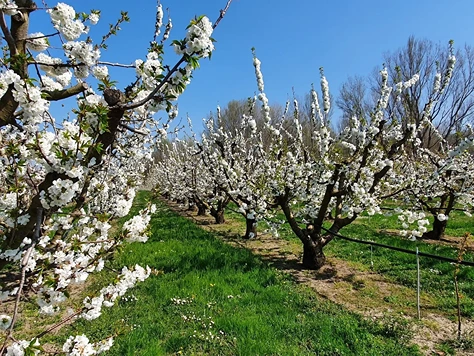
<point>218,216</point>
<point>191,206</point>
<point>313,255</point>
<point>438,230</point>
<point>201,209</point>
<point>250,229</point>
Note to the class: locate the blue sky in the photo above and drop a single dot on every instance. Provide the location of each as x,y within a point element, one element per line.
<point>292,38</point>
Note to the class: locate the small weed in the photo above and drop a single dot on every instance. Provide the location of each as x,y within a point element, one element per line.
<point>431,324</point>
<point>392,299</point>
<point>396,327</point>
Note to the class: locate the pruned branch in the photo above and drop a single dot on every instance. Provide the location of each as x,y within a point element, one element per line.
<point>55,95</point>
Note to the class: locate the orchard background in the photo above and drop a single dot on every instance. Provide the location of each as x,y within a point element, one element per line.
<point>84,126</point>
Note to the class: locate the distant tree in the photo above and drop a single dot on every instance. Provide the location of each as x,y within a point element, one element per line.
<point>235,159</point>
<point>353,100</point>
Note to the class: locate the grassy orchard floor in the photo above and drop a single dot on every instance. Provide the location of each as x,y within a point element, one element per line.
<point>436,276</point>
<point>210,298</point>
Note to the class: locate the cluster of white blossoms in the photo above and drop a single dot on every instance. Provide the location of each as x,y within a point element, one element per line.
<point>401,86</point>
<point>108,295</point>
<point>74,346</point>
<point>60,193</point>
<point>64,20</point>
<point>9,7</point>
<point>150,70</point>
<point>37,42</point>
<point>261,87</point>
<point>258,74</point>
<point>81,52</point>
<point>136,226</point>
<point>27,95</point>
<point>325,92</point>
<point>80,346</point>
<point>198,39</point>
<point>5,321</point>
<point>23,347</point>
<point>416,220</point>
<point>197,44</point>
<point>56,76</point>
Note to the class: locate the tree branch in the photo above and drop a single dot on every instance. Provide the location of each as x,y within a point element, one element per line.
<point>156,90</point>
<point>55,95</point>
<point>116,64</point>
<point>7,34</point>
<point>24,264</point>
<point>174,69</point>
<point>133,130</point>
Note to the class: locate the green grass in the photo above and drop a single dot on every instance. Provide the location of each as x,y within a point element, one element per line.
<point>234,304</point>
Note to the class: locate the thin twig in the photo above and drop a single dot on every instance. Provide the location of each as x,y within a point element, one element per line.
<point>116,64</point>
<point>57,65</point>
<point>222,14</point>
<point>44,36</point>
<point>133,130</point>
<point>65,320</point>
<point>37,71</point>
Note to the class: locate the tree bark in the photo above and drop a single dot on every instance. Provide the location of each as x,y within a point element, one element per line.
<point>201,209</point>
<point>250,229</point>
<point>313,255</point>
<point>218,216</point>
<point>437,232</point>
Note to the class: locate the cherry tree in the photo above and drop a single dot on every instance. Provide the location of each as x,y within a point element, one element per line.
<point>234,158</point>
<point>441,102</point>
<point>443,99</point>
<point>442,181</point>
<point>64,179</point>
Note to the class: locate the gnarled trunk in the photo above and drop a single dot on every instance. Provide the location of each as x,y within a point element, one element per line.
<point>313,255</point>
<point>250,229</point>
<point>438,230</point>
<point>201,209</point>
<point>218,216</point>
<point>218,211</point>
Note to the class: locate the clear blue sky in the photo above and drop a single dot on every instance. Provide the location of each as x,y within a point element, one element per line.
<point>292,38</point>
